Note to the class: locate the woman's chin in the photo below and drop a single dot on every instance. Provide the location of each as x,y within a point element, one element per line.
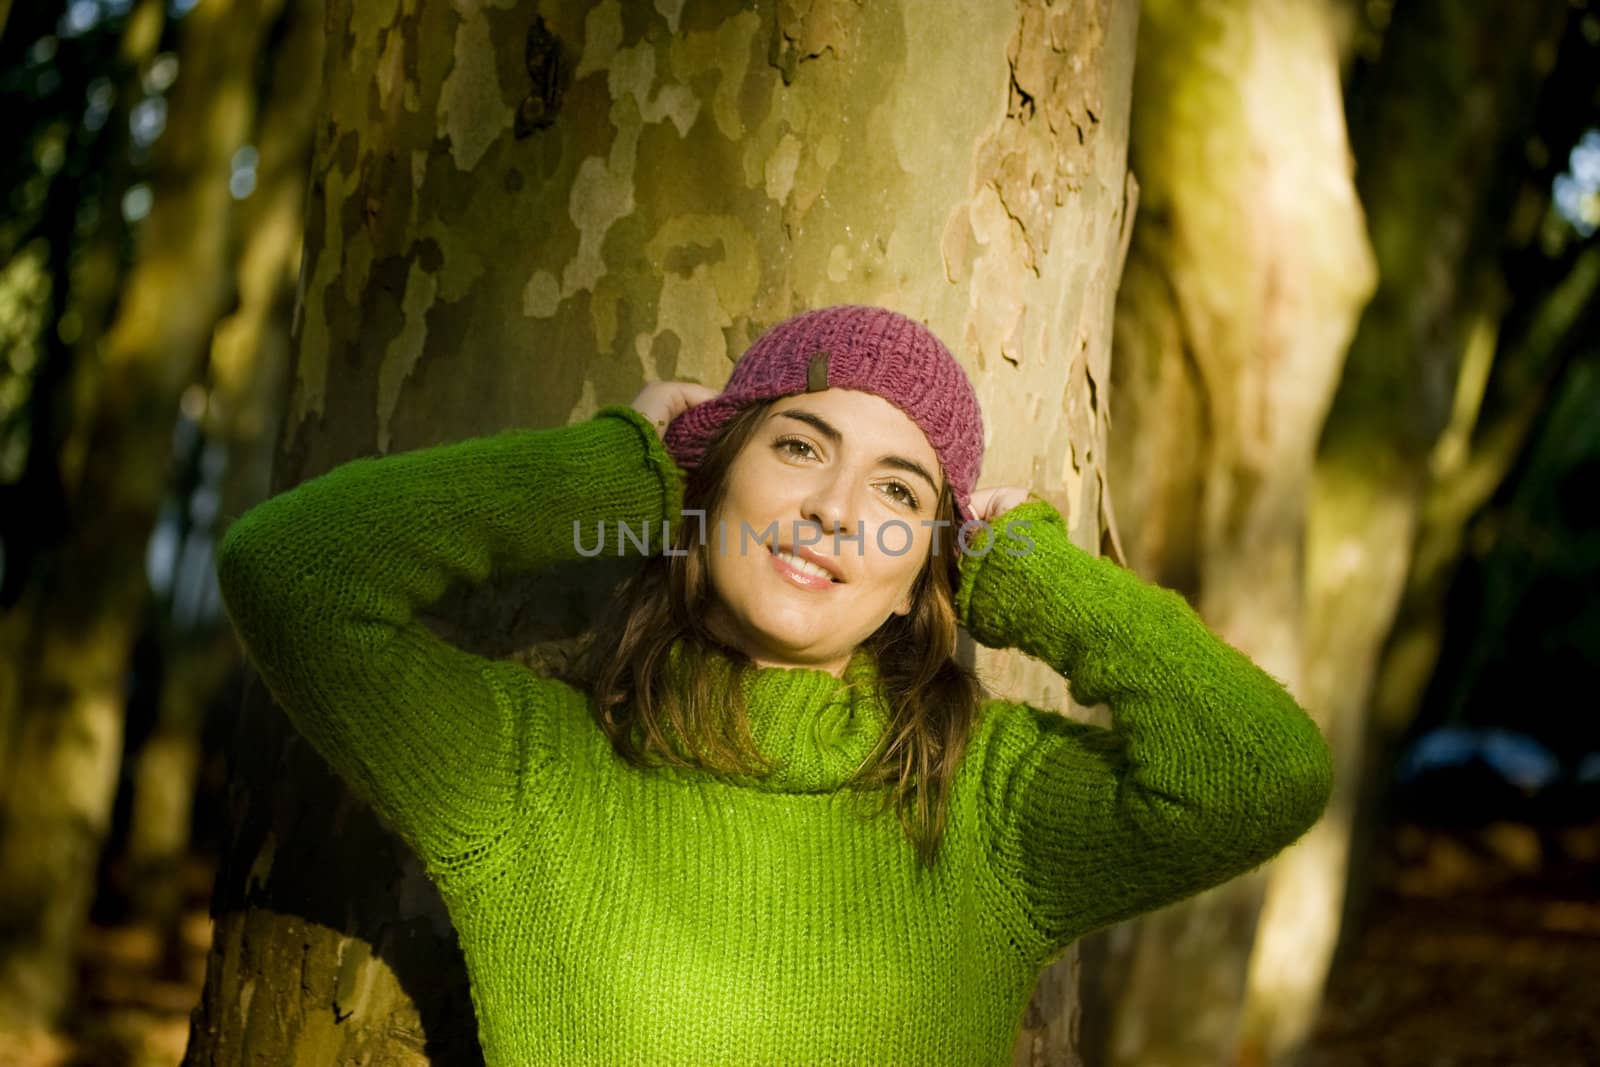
<point>775,632</point>
<point>789,644</point>
<point>786,645</point>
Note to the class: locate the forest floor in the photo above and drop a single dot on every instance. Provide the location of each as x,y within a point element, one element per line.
<point>1480,947</point>
<point>137,986</point>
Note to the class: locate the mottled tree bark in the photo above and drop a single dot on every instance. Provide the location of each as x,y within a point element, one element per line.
<point>68,747</point>
<point>518,216</point>
<point>1248,270</point>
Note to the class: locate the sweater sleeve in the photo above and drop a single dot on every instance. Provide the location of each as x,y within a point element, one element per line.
<point>1210,767</point>
<point>323,582</point>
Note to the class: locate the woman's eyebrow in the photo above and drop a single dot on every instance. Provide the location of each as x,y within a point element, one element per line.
<point>826,429</point>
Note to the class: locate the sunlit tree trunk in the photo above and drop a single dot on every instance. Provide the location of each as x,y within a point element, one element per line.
<point>69,736</point>
<point>515,219</point>
<point>1248,270</point>
<point>1434,127</point>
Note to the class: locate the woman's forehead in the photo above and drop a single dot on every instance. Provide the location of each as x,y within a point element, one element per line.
<point>856,415</point>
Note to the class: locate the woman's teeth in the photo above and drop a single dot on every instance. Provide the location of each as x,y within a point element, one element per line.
<point>803,565</point>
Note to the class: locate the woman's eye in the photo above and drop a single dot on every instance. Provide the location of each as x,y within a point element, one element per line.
<point>902,492</point>
<point>794,447</point>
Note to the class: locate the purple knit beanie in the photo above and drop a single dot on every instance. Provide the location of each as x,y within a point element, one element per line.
<point>869,349</point>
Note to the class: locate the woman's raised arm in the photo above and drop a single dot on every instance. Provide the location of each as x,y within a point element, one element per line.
<point>1210,767</point>
<point>323,583</point>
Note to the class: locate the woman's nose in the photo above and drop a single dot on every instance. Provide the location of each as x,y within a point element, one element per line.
<point>829,506</point>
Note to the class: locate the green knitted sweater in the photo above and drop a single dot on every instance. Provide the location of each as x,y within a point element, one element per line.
<point>616,915</point>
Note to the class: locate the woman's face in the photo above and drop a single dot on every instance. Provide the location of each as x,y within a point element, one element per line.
<point>833,462</point>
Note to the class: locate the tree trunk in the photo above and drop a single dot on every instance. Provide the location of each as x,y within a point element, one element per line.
<point>1435,125</point>
<point>64,286</point>
<point>69,735</point>
<point>247,373</point>
<point>1248,269</point>
<point>515,219</point>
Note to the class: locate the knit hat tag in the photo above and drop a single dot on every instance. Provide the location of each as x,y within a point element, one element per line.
<point>817,373</point>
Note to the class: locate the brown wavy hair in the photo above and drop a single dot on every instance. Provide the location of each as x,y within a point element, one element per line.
<point>933,699</point>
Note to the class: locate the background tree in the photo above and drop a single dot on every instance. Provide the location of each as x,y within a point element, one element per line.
<point>225,444</point>
<point>145,144</point>
<point>86,84</point>
<point>517,216</point>
<point>1248,269</point>
<point>1437,121</point>
<point>62,241</point>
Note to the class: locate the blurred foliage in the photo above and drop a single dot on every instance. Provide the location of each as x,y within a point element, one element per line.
<point>85,111</point>
<point>1523,639</point>
<point>25,294</point>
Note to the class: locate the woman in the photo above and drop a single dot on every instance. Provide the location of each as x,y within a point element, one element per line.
<point>767,820</point>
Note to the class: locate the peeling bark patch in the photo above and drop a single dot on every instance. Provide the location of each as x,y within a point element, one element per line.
<point>781,167</point>
<point>472,113</point>
<point>683,259</point>
<point>391,68</point>
<point>954,243</point>
<point>602,36</point>
<point>1030,169</point>
<point>406,349</point>
<point>548,74</point>
<point>371,23</point>
<point>633,72</point>
<point>808,28</point>
<point>698,306</point>
<point>726,52</point>
<point>994,292</point>
<point>603,189</point>
<point>671,10</point>
<point>602,193</point>
<point>1028,166</point>
<point>354,978</point>
<point>541,296</point>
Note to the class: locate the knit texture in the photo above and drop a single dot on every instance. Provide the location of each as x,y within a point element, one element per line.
<point>870,349</point>
<point>616,915</point>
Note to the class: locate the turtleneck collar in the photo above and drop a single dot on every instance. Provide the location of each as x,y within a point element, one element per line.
<point>817,729</point>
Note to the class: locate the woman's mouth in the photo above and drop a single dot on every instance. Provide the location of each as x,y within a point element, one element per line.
<point>800,572</point>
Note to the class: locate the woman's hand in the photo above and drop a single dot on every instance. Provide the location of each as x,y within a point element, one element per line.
<point>989,504</point>
<point>661,402</point>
